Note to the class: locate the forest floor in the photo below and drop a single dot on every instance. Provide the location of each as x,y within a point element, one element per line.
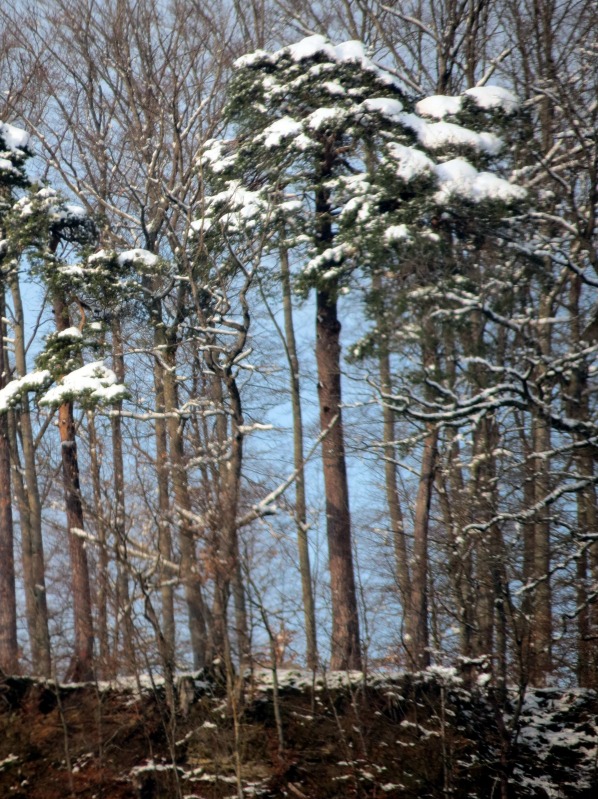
<point>403,736</point>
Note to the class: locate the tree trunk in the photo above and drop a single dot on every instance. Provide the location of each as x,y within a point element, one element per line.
<point>9,650</point>
<point>345,650</point>
<point>541,627</point>
<point>124,627</point>
<point>393,500</point>
<point>309,612</point>
<point>345,645</point>
<point>219,546</point>
<point>541,630</point>
<point>416,626</point>
<point>232,493</point>
<point>164,533</point>
<point>481,494</point>
<point>455,506</point>
<point>81,666</point>
<point>30,509</point>
<point>102,583</point>
<point>182,504</point>
<point>587,511</point>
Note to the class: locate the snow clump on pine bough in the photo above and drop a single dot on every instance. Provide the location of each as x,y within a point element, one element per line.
<point>487,98</point>
<point>15,139</point>
<point>12,393</point>
<point>93,383</point>
<point>313,90</point>
<point>347,52</point>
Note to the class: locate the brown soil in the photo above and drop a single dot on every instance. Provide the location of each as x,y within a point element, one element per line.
<point>410,739</point>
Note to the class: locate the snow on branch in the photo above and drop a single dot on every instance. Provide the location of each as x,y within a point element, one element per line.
<point>93,384</point>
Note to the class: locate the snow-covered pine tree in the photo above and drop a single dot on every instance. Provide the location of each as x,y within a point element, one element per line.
<point>328,141</point>
<point>41,230</point>
<point>13,153</point>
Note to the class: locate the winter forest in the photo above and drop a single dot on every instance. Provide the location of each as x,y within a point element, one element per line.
<point>299,336</point>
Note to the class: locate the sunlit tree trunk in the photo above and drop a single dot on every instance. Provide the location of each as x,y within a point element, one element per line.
<point>393,500</point>
<point>345,644</point>
<point>81,666</point>
<point>190,575</point>
<point>309,612</point>
<point>30,511</point>
<point>416,637</point>
<point>226,551</point>
<point>231,502</point>
<point>164,528</point>
<point>102,581</point>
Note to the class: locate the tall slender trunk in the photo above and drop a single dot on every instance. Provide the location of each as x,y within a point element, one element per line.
<point>541,631</point>
<point>456,512</point>
<point>81,666</point>
<point>491,639</point>
<point>455,507</point>
<point>190,576</point>
<point>417,628</point>
<point>587,573</point>
<point>30,511</point>
<point>587,511</point>
<point>393,499</point>
<point>219,545</point>
<point>345,645</point>
<point>232,495</point>
<point>226,549</point>
<point>523,621</point>
<point>309,612</point>
<point>105,666</point>
<point>481,492</point>
<point>9,649</point>
<point>124,628</point>
<point>167,642</point>
<point>164,533</point>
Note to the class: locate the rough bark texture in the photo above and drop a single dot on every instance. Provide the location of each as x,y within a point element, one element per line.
<point>81,666</point>
<point>309,613</point>
<point>187,534</point>
<point>345,650</point>
<point>393,500</point>
<point>102,581</point>
<point>164,532</point>
<point>9,651</point>
<point>345,646</point>
<point>540,653</point>
<point>30,512</point>
<point>232,497</point>
<point>541,629</point>
<point>587,513</point>
<point>416,624</point>
<point>124,630</point>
